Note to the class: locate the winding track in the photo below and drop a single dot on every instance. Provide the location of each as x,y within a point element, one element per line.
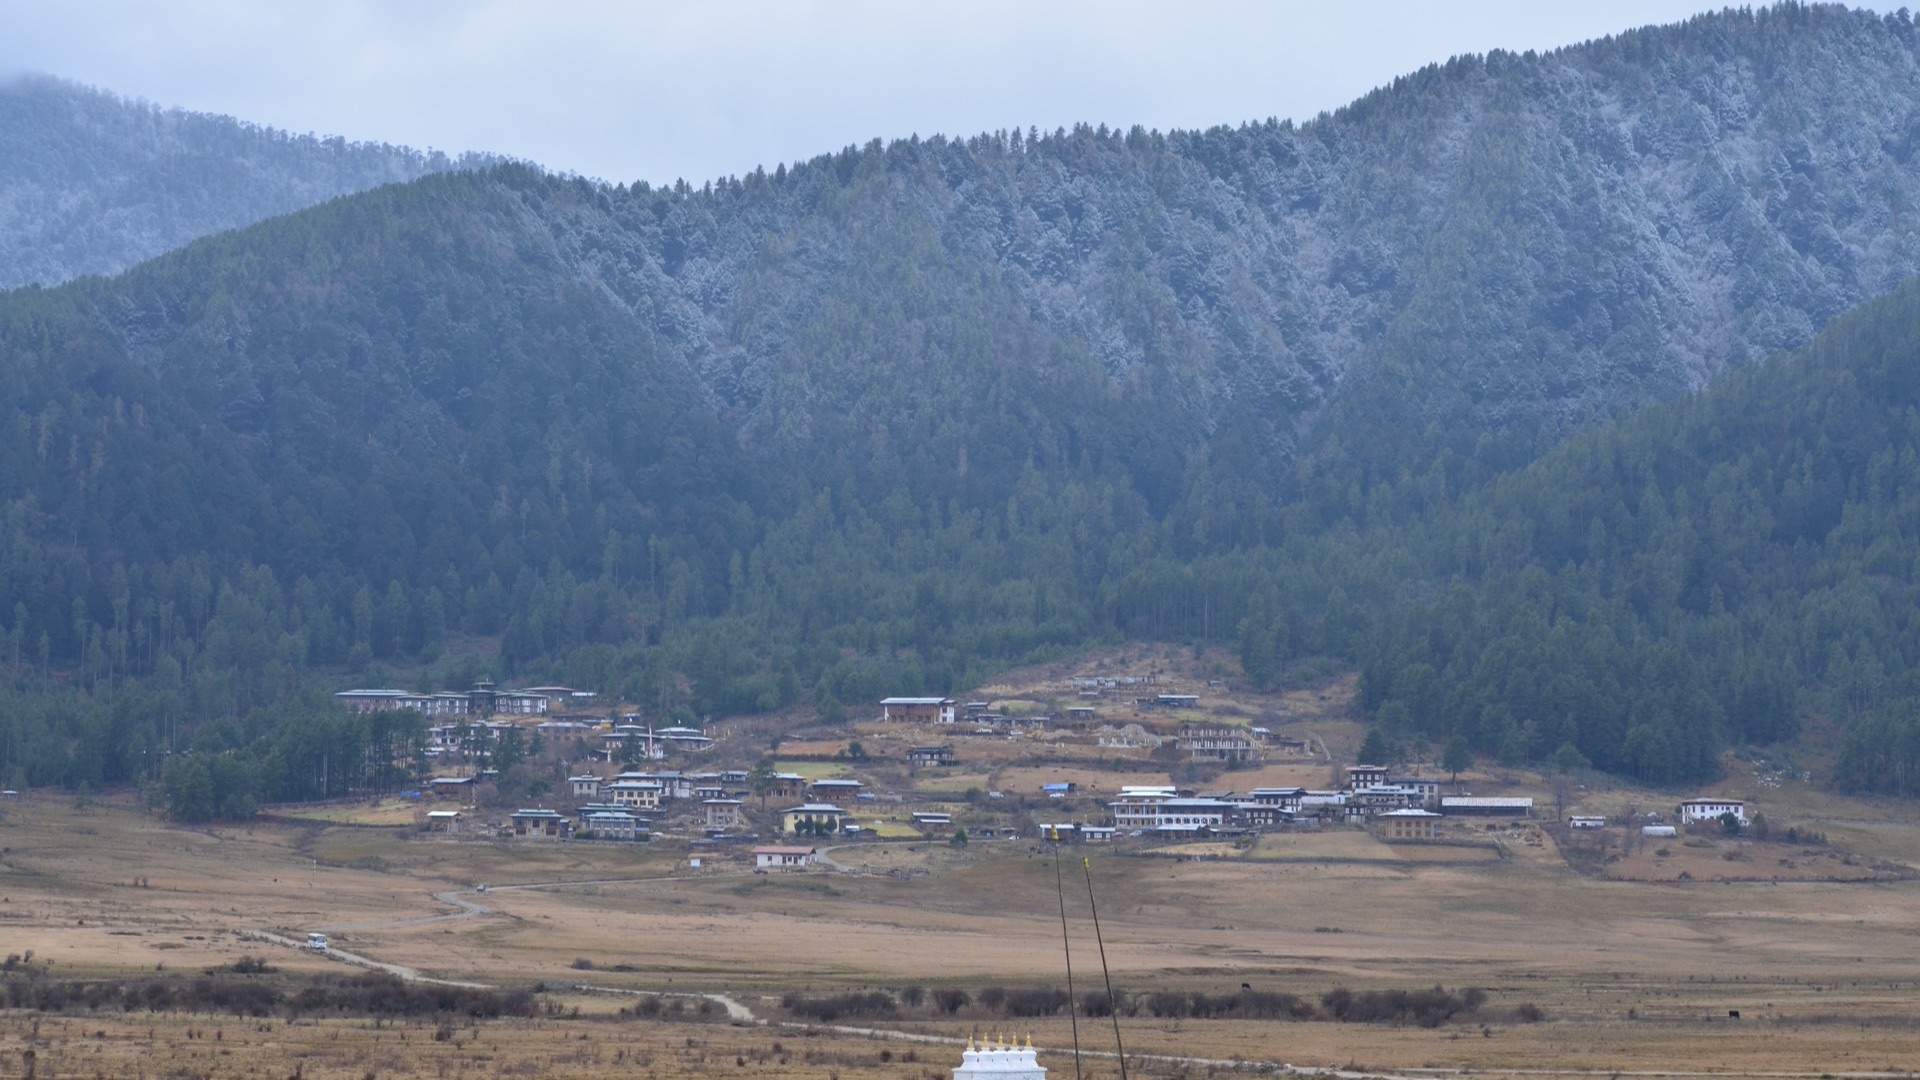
<point>739,1013</point>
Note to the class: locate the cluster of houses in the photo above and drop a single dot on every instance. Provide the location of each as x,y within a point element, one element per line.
<point>485,699</point>
<point>629,805</point>
<point>1401,809</point>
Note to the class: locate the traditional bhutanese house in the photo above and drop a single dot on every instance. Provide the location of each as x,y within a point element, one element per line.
<point>542,823</point>
<point>820,817</point>
<point>458,787</point>
<point>585,787</point>
<point>1259,815</point>
<point>1139,807</point>
<point>1282,798</point>
<point>782,858</point>
<point>1408,824</point>
<point>975,708</point>
<point>1365,776</point>
<point>931,821</point>
<point>788,786</point>
<point>917,710</point>
<point>673,785</point>
<point>1586,821</point>
<point>631,742</point>
<point>928,756</point>
<point>1176,701</point>
<point>562,697</point>
<point>1081,714</point>
<point>1329,806</point>
<point>838,788</point>
<point>1426,792</point>
<point>1060,832</point>
<point>1218,743</point>
<point>733,777</point>
<point>709,789</point>
<point>1097,834</point>
<point>1488,805</point>
<point>368,701</point>
<point>722,813</point>
<point>445,821</point>
<point>1383,797</point>
<point>684,738</point>
<point>612,825</point>
<point>1694,810</point>
<point>629,793</point>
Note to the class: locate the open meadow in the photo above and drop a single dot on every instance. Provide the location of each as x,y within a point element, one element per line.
<point>1625,975</point>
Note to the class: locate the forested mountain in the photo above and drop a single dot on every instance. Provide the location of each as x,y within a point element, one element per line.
<point>91,183</point>
<point>897,416</point>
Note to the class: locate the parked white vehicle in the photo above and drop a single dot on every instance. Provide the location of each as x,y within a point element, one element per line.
<point>317,942</point>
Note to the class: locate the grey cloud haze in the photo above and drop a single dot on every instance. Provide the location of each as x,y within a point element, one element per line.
<point>631,91</point>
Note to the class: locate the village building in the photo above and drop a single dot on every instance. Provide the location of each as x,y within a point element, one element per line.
<point>1488,805</point>
<point>812,817</point>
<point>1697,810</point>
<point>1586,821</point>
<point>787,787</point>
<point>1333,806</point>
<point>585,787</point>
<point>1383,797</point>
<point>1174,701</point>
<point>975,708</point>
<point>1081,715</point>
<point>1365,776</point>
<point>548,824</point>
<point>1282,798</point>
<point>1152,811</point>
<point>838,787</point>
<point>443,821</point>
<point>1060,832</point>
<point>684,739</point>
<point>1408,824</point>
<point>451,787</point>
<point>734,778</point>
<point>1225,744</point>
<point>1259,815</point>
<point>631,793</point>
<point>631,742</point>
<point>1138,807</point>
<point>929,756</point>
<point>709,789</point>
<point>612,825</point>
<point>917,710</point>
<point>722,813</point>
<point>783,858</point>
<point>930,821</point>
<point>562,697</point>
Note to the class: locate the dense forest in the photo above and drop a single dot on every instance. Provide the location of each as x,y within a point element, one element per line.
<point>898,417</point>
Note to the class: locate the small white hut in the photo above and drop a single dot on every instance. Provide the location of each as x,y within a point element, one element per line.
<point>997,1061</point>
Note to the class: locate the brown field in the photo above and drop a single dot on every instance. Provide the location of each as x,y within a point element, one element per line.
<point>1631,975</point>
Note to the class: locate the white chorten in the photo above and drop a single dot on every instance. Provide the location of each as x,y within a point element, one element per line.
<point>998,1061</point>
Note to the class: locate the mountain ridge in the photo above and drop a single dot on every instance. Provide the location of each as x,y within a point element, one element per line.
<point>94,182</point>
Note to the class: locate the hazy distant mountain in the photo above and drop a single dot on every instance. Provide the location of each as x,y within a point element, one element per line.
<point>902,413</point>
<point>91,183</point>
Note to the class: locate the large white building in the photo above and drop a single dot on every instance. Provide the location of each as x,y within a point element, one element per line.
<point>1694,810</point>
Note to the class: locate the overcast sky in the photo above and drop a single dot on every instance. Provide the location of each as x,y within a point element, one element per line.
<point>626,90</point>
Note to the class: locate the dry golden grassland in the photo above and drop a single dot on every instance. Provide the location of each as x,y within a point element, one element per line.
<point>1631,975</point>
